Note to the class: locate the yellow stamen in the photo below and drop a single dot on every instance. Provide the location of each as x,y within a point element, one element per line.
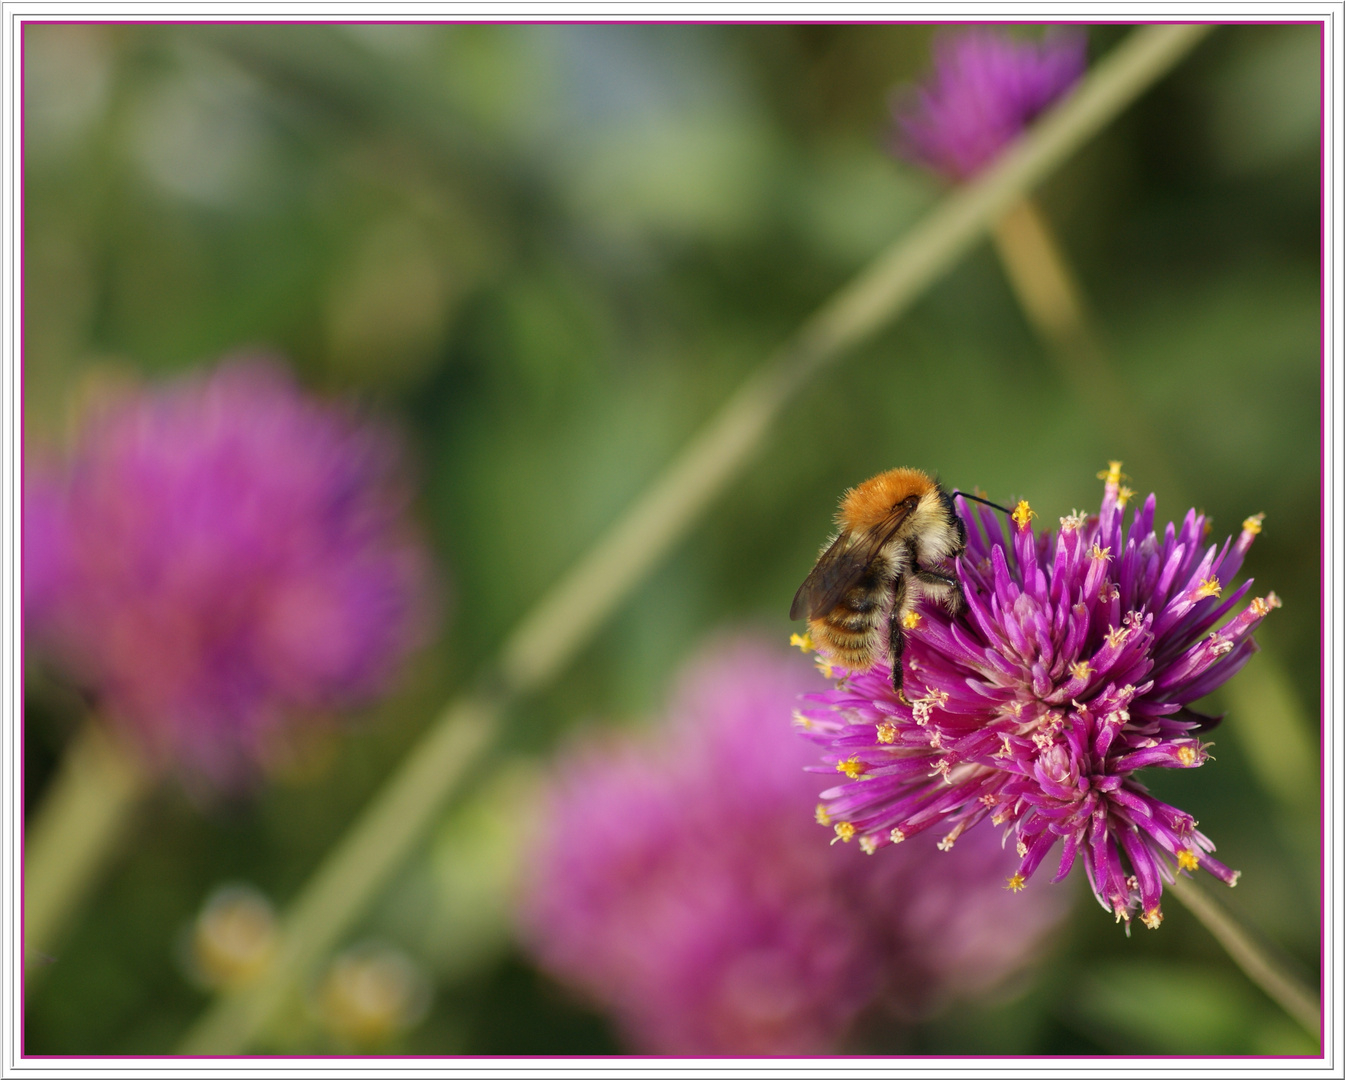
<point>868,845</point>
<point>844,831</point>
<point>802,721</point>
<point>1116,635</point>
<point>1022,514</point>
<point>887,732</point>
<point>1253,524</point>
<point>802,641</point>
<point>824,666</point>
<point>823,818</point>
<point>1099,552</point>
<point>852,767</point>
<point>1153,918</point>
<point>1081,670</point>
<point>1186,859</point>
<point>1123,496</point>
<point>1209,587</point>
<point>1186,755</point>
<point>1017,883</point>
<point>1112,473</point>
<point>1262,606</point>
<point>911,620</point>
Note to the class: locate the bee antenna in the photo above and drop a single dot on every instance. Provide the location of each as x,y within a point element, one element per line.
<point>977,498</point>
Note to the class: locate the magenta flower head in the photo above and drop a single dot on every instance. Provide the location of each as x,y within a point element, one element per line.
<point>985,90</point>
<point>680,883</point>
<point>219,559</point>
<point>1072,667</point>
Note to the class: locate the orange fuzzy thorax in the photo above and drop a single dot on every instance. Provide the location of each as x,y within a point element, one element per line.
<point>870,503</point>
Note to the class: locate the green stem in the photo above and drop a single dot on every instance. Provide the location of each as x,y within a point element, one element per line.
<point>1258,965</point>
<point>73,835</point>
<point>565,618</point>
<point>1052,300</point>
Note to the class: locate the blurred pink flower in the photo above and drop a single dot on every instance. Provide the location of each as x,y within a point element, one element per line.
<point>680,883</point>
<point>220,558</point>
<point>985,90</point>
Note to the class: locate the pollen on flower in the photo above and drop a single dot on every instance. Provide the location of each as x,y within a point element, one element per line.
<point>1099,552</point>
<point>1209,587</point>
<point>802,721</point>
<point>844,832</point>
<point>1117,635</point>
<point>824,666</point>
<point>823,818</point>
<point>1253,524</point>
<point>1152,918</point>
<point>1017,883</point>
<point>1021,848</point>
<point>897,836</point>
<point>852,767</point>
<point>803,642</point>
<point>1123,496</point>
<point>887,732</point>
<point>911,620</point>
<point>1023,513</point>
<point>1186,859</point>
<point>1262,606</point>
<point>1112,473</point>
<point>1188,755</point>
<point>868,845</point>
<point>1073,521</point>
<point>946,844</point>
<point>1081,669</point>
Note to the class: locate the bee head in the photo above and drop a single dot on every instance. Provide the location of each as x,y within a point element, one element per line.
<point>871,503</point>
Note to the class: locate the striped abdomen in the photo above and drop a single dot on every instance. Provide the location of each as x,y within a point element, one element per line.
<point>852,633</point>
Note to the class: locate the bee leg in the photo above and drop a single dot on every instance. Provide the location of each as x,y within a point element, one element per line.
<point>896,637</point>
<point>942,587</point>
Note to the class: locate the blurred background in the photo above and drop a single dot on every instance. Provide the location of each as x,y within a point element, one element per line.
<point>547,254</point>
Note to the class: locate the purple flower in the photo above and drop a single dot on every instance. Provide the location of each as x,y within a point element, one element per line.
<point>219,559</point>
<point>1072,667</point>
<point>680,883</point>
<point>985,90</point>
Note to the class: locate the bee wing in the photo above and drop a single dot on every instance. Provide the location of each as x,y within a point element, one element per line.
<point>840,567</point>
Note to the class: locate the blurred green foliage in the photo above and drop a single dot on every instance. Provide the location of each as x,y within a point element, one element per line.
<point>551,251</point>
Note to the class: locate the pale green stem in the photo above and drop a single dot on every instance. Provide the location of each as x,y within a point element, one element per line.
<point>73,835</point>
<point>1259,966</point>
<point>564,619</point>
<point>1053,302</point>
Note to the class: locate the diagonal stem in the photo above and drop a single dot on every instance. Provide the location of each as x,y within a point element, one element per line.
<point>73,835</point>
<point>1258,965</point>
<point>565,618</point>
